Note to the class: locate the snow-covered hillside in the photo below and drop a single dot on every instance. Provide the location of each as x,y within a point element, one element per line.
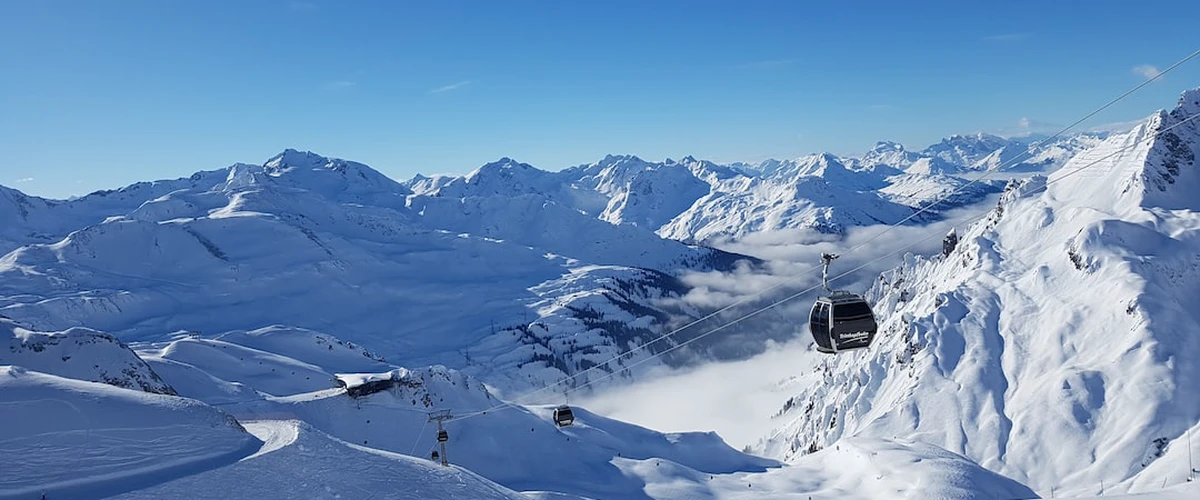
<point>78,353</point>
<point>1053,345</point>
<point>522,449</point>
<point>301,462</point>
<point>68,438</point>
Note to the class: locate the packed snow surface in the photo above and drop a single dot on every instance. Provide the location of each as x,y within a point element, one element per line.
<point>74,439</point>
<point>300,462</point>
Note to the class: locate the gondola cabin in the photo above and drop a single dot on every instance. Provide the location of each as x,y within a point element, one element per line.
<point>563,416</point>
<point>842,321</point>
<point>442,436</point>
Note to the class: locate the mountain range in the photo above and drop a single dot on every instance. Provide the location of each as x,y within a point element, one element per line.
<point>214,322</point>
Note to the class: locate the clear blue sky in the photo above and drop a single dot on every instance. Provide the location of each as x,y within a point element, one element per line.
<point>99,94</point>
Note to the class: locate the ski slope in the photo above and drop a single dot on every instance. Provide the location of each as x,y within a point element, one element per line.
<point>74,439</point>
<point>299,462</point>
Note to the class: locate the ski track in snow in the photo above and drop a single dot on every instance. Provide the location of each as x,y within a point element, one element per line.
<point>274,434</point>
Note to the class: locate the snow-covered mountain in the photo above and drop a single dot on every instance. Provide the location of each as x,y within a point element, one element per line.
<point>1054,343</point>
<point>542,262</point>
<point>334,247</point>
<point>1030,153</point>
<point>1057,329</point>
<point>695,200</point>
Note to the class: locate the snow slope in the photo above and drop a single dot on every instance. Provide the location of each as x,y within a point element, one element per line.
<point>522,449</point>
<point>1051,345</point>
<point>73,439</point>
<point>78,353</point>
<point>518,447</point>
<point>856,468</point>
<point>300,462</point>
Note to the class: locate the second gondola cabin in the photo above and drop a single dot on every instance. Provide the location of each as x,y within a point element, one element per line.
<point>842,321</point>
<point>563,416</point>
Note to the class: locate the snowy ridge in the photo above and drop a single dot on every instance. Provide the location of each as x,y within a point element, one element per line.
<point>607,310</point>
<point>230,368</point>
<point>79,353</point>
<point>1055,330</point>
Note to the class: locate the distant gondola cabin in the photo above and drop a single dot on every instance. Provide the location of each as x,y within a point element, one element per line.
<point>563,416</point>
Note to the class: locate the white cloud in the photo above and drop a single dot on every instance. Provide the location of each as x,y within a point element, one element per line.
<point>452,86</point>
<point>1147,71</point>
<point>1026,126</point>
<point>794,256</point>
<point>735,399</point>
<point>25,179</point>
<point>738,398</point>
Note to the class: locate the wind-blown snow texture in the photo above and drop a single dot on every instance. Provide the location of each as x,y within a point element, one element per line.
<point>1056,343</point>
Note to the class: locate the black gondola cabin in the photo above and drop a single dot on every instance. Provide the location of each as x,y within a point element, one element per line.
<point>563,416</point>
<point>842,321</point>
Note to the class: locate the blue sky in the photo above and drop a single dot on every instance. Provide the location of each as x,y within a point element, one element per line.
<point>99,94</point>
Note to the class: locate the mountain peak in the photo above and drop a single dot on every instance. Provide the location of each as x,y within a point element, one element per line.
<point>295,158</point>
<point>611,158</point>
<point>887,147</point>
<point>1189,102</point>
<point>506,163</point>
<point>332,177</point>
